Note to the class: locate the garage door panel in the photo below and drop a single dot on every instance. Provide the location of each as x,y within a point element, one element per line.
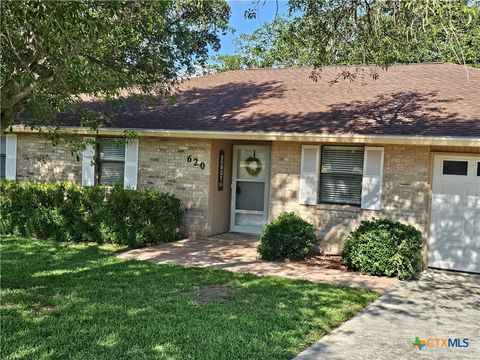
<point>453,189</point>
<point>455,218</point>
<point>455,258</point>
<point>460,261</point>
<point>473,202</point>
<point>453,254</point>
<point>447,203</point>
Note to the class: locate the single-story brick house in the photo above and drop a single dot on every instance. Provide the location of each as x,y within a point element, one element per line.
<point>239,148</point>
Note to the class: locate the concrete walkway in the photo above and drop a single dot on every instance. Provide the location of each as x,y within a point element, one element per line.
<point>437,305</point>
<point>238,252</point>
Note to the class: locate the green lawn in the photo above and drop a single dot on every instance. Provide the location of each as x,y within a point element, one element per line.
<point>66,301</point>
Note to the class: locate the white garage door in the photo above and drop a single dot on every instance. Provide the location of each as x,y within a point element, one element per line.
<point>455,215</point>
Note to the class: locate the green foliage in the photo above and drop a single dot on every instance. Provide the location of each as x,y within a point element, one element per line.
<point>289,236</point>
<point>54,51</point>
<point>225,63</point>
<point>140,216</point>
<point>271,45</point>
<point>383,247</point>
<point>370,33</point>
<point>68,212</point>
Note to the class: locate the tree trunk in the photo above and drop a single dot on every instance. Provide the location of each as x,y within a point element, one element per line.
<point>14,101</point>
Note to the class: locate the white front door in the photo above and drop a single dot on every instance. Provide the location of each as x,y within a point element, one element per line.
<point>250,177</point>
<point>454,241</point>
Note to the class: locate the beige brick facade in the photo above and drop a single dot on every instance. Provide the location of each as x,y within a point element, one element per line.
<point>163,166</point>
<point>38,159</point>
<point>404,194</point>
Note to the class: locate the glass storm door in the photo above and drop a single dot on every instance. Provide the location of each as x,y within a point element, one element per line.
<point>250,188</point>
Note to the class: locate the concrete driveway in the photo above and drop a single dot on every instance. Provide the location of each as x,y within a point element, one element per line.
<point>437,305</point>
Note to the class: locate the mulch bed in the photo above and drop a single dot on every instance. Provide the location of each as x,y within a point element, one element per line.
<point>323,261</point>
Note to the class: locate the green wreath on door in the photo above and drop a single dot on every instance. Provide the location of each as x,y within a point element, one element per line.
<point>253,165</point>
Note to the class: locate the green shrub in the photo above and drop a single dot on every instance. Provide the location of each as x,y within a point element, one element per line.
<point>289,236</point>
<point>134,217</point>
<point>69,212</point>
<point>383,247</point>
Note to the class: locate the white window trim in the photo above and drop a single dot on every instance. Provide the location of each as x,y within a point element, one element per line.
<point>454,175</point>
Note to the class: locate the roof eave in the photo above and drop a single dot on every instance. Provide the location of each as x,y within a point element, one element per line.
<point>272,136</point>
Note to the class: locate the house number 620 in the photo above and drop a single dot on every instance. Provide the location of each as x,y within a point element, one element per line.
<point>196,162</point>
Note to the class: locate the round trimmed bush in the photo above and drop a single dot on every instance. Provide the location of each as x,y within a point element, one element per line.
<point>289,236</point>
<point>383,247</point>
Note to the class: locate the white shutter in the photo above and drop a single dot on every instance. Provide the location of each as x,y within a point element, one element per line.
<point>372,178</point>
<point>10,156</point>
<point>88,167</point>
<point>131,164</point>
<point>309,175</point>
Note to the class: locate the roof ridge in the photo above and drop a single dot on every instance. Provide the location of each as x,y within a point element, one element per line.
<point>468,66</point>
<point>334,66</point>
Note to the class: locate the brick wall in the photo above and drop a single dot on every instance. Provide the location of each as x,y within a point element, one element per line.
<point>456,149</point>
<point>162,166</point>
<point>404,194</point>
<point>38,159</point>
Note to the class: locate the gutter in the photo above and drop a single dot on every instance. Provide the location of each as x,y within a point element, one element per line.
<point>269,136</point>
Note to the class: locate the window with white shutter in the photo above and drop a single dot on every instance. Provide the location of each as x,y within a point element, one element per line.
<point>111,161</point>
<point>341,175</point>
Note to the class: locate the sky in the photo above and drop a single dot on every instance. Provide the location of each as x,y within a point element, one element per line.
<point>266,13</point>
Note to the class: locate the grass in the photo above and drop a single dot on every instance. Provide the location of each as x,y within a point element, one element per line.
<point>71,301</point>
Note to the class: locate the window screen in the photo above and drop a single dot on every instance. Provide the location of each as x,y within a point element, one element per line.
<point>454,167</point>
<point>341,174</point>
<point>111,161</point>
<point>3,156</point>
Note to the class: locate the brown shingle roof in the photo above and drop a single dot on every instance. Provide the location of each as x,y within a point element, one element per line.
<point>421,99</point>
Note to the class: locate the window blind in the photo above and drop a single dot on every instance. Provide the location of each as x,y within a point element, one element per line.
<point>3,159</point>
<point>3,156</point>
<point>341,174</point>
<point>112,161</point>
<point>112,149</point>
